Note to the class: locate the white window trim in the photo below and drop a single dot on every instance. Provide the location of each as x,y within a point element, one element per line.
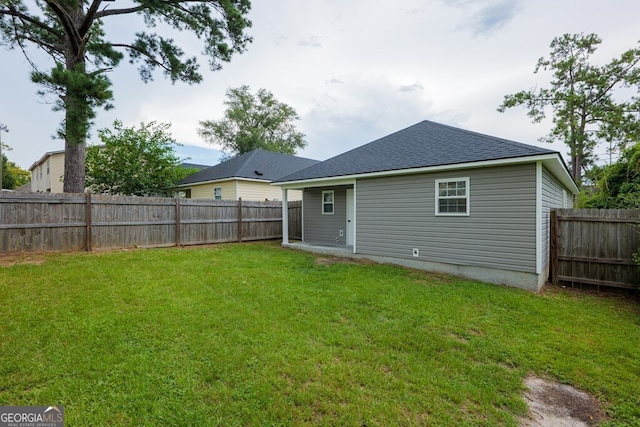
<point>333,202</point>
<point>214,193</point>
<point>437,197</point>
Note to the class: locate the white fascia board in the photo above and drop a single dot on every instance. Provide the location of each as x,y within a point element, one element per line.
<point>320,182</point>
<point>560,172</point>
<point>552,159</point>
<point>44,157</point>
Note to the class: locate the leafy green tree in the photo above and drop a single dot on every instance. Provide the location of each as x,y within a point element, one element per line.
<point>254,121</point>
<point>134,162</point>
<point>73,34</point>
<point>13,176</point>
<point>20,176</point>
<point>8,180</point>
<point>617,186</point>
<point>589,103</point>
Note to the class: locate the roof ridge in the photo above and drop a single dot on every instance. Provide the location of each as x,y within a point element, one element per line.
<point>423,144</point>
<point>484,135</point>
<point>270,164</point>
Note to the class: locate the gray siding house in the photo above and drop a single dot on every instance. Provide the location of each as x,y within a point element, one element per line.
<point>438,198</point>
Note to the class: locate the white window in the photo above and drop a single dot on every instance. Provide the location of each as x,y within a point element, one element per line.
<point>452,196</point>
<point>217,193</point>
<point>48,166</point>
<point>327,202</point>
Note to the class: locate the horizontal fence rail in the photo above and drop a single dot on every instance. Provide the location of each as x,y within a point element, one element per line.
<point>595,247</point>
<point>42,222</point>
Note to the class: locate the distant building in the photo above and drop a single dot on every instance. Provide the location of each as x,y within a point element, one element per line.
<point>25,188</point>
<point>48,172</point>
<point>194,166</point>
<point>247,177</point>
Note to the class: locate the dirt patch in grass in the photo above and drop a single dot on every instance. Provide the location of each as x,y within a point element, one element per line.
<point>430,278</point>
<point>341,260</point>
<point>21,259</point>
<point>556,405</point>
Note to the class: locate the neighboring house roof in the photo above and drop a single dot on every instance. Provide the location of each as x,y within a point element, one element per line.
<point>424,145</point>
<point>25,188</point>
<point>194,166</point>
<point>48,154</point>
<point>258,164</point>
<point>44,157</point>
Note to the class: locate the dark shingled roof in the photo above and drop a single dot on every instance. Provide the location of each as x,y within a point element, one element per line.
<point>257,164</point>
<point>424,144</point>
<point>194,166</point>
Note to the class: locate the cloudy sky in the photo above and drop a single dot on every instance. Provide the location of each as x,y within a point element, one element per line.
<point>354,70</point>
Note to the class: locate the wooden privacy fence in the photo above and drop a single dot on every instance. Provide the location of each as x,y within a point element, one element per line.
<point>31,222</point>
<point>595,247</point>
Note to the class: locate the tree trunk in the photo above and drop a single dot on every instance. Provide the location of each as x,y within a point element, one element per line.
<point>74,166</point>
<point>77,111</point>
<point>76,125</point>
<point>581,141</point>
<point>577,173</point>
<point>75,136</point>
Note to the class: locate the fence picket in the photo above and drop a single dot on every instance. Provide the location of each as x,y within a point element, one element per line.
<point>72,222</point>
<point>595,247</point>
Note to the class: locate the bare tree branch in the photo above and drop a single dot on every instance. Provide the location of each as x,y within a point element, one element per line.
<point>12,12</point>
<point>89,17</point>
<point>110,12</point>
<point>68,25</point>
<point>145,53</point>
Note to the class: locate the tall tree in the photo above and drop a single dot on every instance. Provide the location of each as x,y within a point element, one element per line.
<point>589,103</point>
<point>134,162</point>
<point>13,175</point>
<point>72,33</point>
<point>254,121</point>
<point>617,186</point>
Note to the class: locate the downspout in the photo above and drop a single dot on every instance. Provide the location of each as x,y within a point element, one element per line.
<point>285,217</point>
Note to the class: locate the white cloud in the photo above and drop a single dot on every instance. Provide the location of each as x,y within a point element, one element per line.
<point>485,17</point>
<point>360,109</point>
<point>353,70</point>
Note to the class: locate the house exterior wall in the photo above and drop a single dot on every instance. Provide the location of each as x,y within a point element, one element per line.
<point>248,190</point>
<point>554,195</point>
<point>259,191</point>
<point>394,215</point>
<point>51,181</point>
<point>324,229</point>
<point>38,178</point>
<point>205,191</point>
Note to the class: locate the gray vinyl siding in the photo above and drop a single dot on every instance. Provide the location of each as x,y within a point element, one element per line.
<point>552,197</point>
<point>321,228</point>
<point>396,214</point>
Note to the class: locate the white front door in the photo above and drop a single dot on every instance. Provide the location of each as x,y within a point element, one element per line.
<point>351,223</point>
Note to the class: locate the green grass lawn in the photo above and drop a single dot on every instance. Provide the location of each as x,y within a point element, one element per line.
<point>252,334</point>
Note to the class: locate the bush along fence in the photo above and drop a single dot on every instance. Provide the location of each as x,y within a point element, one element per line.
<point>595,247</point>
<point>41,222</point>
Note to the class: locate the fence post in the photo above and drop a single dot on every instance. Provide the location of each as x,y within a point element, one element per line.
<point>553,250</point>
<point>239,219</point>
<point>178,221</point>
<point>88,220</point>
